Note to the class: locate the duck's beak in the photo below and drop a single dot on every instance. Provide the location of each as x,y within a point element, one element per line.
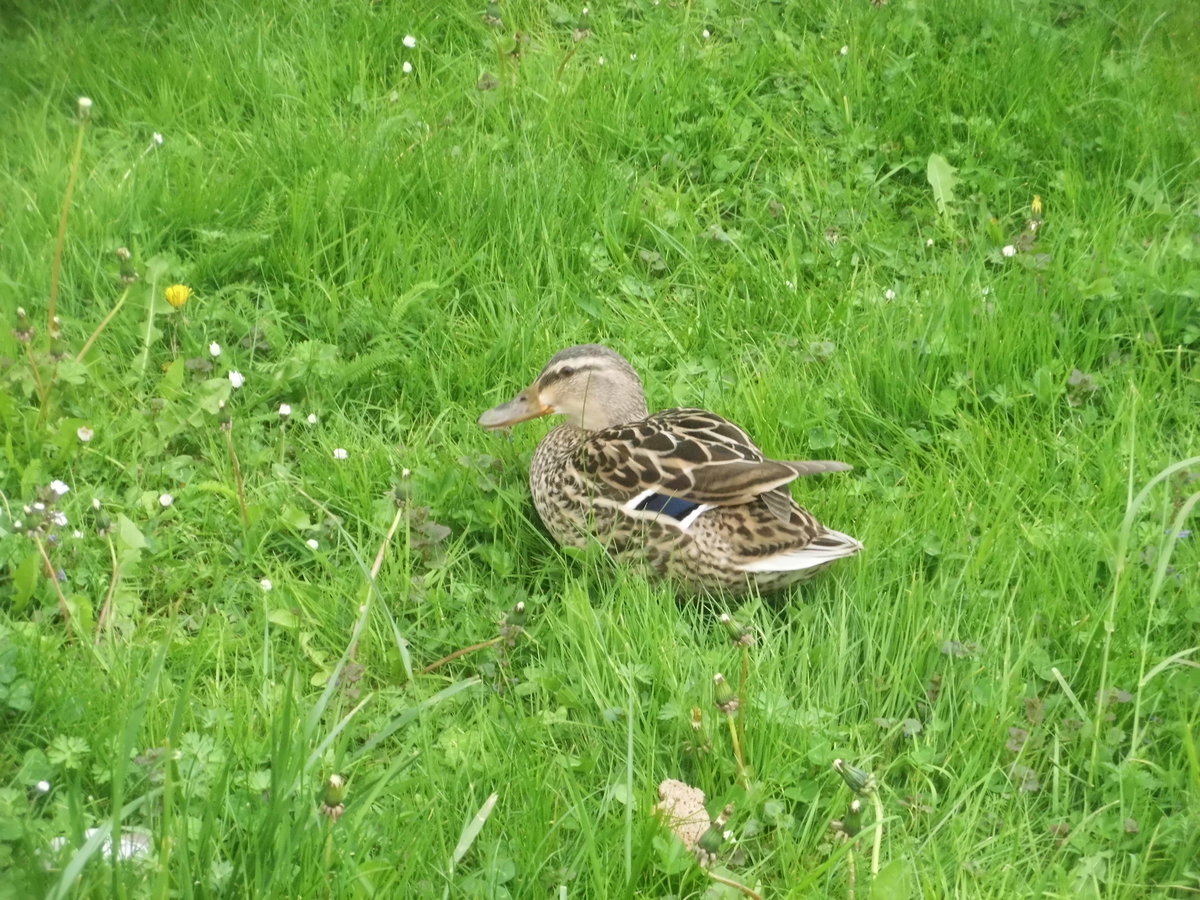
<point>526,405</point>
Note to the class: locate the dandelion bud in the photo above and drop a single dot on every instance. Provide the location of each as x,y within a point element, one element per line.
<point>739,634</point>
<point>84,106</point>
<point>125,265</point>
<point>516,618</point>
<point>723,696</point>
<point>856,779</point>
<point>333,802</point>
<point>852,823</point>
<point>177,295</point>
<point>24,331</point>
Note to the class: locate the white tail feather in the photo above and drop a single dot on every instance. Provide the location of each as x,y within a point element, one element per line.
<point>829,546</point>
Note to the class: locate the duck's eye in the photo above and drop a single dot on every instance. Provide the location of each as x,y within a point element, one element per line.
<point>566,371</point>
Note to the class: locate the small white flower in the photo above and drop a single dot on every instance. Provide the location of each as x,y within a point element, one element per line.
<point>585,11</point>
<point>95,503</point>
<point>77,534</point>
<point>986,291</point>
<point>790,285</point>
<point>409,41</point>
<point>43,786</point>
<point>285,410</point>
<point>405,473</point>
<point>312,544</point>
<point>59,519</point>
<point>845,51</point>
<point>312,419</point>
<point>265,584</point>
<point>889,294</point>
<point>706,34</point>
<point>633,57</point>
<point>39,506</point>
<point>85,106</point>
<point>929,242</point>
<point>18,524</point>
<point>214,349</point>
<point>236,378</point>
<point>84,433</point>
<point>59,487</point>
<point>165,500</point>
<point>406,68</point>
<point>157,138</point>
<point>600,60</point>
<point>1008,250</point>
<point>340,453</point>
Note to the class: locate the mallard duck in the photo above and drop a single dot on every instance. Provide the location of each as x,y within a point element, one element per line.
<point>685,491</point>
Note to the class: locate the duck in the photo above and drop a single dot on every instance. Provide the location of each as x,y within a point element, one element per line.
<point>683,493</point>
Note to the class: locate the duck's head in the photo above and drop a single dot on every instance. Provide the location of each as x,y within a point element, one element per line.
<point>593,386</point>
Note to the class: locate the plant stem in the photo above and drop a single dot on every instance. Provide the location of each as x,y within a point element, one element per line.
<point>737,750</point>
<point>87,345</point>
<point>227,430</point>
<point>461,652</point>
<point>61,240</point>
<point>878,843</point>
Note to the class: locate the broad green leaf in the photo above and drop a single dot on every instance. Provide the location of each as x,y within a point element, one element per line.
<point>129,536</point>
<point>943,180</point>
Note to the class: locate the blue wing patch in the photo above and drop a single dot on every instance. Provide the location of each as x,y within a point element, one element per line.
<point>675,507</point>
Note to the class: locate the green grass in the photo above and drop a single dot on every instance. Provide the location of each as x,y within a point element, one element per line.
<point>746,216</point>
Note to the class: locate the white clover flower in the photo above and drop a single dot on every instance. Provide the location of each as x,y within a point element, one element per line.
<point>312,419</point>
<point>285,410</point>
<point>845,51</point>
<point>236,378</point>
<point>214,349</point>
<point>59,487</point>
<point>406,68</point>
<point>340,453</point>
<point>165,500</point>
<point>312,544</point>
<point>1008,250</point>
<point>265,584</point>
<point>84,433</point>
<point>409,41</point>
<point>889,294</point>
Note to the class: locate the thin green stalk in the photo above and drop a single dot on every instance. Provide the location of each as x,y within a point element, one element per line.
<point>61,239</point>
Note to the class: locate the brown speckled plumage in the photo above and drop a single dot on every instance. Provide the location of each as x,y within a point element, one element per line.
<point>683,492</point>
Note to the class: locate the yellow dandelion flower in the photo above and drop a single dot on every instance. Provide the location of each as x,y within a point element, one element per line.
<point>177,295</point>
<point>1036,205</point>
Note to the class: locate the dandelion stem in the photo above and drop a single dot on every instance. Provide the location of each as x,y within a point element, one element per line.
<point>735,738</point>
<point>61,240</point>
<point>63,609</point>
<point>851,872</point>
<point>736,885</point>
<point>237,474</point>
<point>103,324</point>
<point>461,652</point>
<point>878,843</point>
<point>106,607</point>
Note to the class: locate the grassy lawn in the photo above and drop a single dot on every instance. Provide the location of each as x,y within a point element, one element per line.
<point>955,245</point>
